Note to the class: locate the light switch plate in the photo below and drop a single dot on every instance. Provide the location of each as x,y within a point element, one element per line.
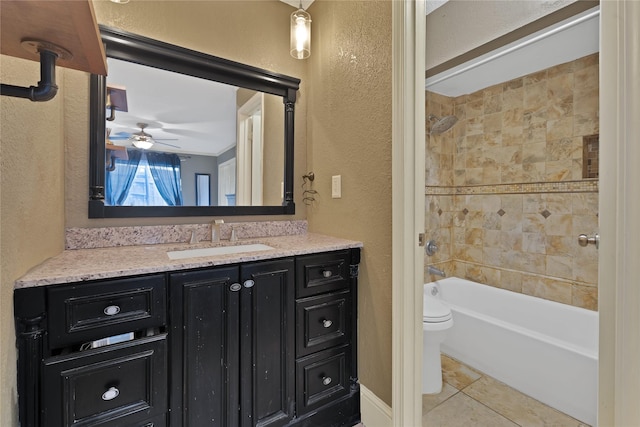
<point>336,186</point>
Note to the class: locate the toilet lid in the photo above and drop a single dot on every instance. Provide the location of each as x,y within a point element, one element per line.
<point>434,310</point>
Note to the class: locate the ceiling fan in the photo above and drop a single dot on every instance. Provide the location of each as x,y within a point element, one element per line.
<point>142,139</point>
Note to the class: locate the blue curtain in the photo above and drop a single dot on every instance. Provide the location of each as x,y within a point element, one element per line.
<point>165,169</point>
<point>118,182</point>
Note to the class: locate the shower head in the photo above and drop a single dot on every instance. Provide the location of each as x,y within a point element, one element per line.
<point>442,124</point>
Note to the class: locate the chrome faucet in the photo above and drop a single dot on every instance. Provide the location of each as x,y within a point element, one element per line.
<point>433,270</point>
<point>215,230</point>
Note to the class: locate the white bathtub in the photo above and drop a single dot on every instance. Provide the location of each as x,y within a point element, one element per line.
<point>544,349</point>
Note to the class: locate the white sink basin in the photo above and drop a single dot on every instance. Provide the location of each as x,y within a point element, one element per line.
<point>219,250</point>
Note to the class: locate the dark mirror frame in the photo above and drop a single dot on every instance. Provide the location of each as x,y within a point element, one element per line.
<point>142,50</point>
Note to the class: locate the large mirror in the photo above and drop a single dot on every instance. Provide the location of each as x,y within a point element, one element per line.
<point>175,132</point>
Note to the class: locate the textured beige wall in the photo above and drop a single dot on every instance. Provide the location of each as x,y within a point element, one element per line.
<point>349,134</point>
<point>461,25</point>
<point>251,32</point>
<point>31,202</point>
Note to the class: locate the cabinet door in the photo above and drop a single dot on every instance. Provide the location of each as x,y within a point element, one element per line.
<point>205,359</point>
<point>267,344</point>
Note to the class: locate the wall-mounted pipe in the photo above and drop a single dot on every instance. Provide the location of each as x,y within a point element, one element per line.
<point>47,87</point>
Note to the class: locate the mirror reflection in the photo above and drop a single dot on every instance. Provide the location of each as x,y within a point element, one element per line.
<point>166,132</point>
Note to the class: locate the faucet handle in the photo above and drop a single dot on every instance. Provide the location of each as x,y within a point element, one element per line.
<point>431,248</point>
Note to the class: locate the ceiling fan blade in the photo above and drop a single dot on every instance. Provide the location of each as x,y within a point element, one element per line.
<point>164,143</point>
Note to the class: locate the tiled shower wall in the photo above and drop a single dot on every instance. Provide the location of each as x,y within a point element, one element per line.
<point>505,197</point>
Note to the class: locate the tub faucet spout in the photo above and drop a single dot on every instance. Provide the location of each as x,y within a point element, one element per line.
<point>433,270</point>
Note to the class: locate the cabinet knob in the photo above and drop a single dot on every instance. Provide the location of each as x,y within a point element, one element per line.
<point>249,283</point>
<point>327,323</point>
<point>327,273</point>
<point>110,394</point>
<point>235,287</point>
<point>326,380</point>
<point>111,310</point>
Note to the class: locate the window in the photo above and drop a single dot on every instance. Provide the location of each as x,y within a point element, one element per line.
<point>143,191</point>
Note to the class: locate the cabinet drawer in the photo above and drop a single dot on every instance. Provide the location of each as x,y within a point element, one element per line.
<point>119,385</point>
<point>316,274</point>
<point>160,421</point>
<point>88,311</point>
<point>322,378</point>
<point>323,322</point>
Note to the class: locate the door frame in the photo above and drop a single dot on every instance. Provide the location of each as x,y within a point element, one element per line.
<point>408,177</point>
<point>619,204</point>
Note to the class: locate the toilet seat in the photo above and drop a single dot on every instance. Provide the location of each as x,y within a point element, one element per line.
<point>434,311</point>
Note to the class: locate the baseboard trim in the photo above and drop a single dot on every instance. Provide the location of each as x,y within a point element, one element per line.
<point>375,413</point>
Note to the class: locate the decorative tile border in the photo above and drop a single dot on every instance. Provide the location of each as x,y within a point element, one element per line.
<point>106,237</point>
<point>583,186</point>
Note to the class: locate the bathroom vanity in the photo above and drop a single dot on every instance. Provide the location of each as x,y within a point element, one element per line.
<point>128,337</point>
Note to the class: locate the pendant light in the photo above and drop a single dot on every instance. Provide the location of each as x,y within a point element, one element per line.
<point>300,34</point>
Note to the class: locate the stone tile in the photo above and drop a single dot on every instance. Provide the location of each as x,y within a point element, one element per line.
<point>492,122</point>
<point>463,411</point>
<point>559,225</point>
<point>558,203</point>
<point>585,297</point>
<point>457,374</point>
<point>561,149</point>
<point>560,266</point>
<point>512,85</point>
<point>474,108</point>
<point>550,289</point>
<point>534,152</point>
<point>511,173</point>
<point>585,266</point>
<point>586,124</point>
<point>493,103</point>
<point>535,96</point>
<point>534,242</point>
<point>533,172</point>
<point>430,401</point>
<point>560,245</point>
<point>560,128</point>
<point>513,118</point>
<point>515,406</point>
<point>584,203</point>
<point>511,280</point>
<point>534,78</point>
<point>473,236</point>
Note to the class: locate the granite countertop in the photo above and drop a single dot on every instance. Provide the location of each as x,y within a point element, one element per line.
<point>101,263</point>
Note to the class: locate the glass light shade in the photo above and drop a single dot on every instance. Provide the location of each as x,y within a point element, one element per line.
<point>300,34</point>
<point>142,142</point>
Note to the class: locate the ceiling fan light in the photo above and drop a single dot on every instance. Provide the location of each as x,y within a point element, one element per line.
<point>142,142</point>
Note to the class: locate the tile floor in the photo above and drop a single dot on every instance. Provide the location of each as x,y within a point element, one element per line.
<point>470,398</point>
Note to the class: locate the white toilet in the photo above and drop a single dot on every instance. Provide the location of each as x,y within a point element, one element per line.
<point>436,320</point>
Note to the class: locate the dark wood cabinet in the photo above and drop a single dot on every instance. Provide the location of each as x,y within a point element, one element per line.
<point>267,344</point>
<point>233,333</point>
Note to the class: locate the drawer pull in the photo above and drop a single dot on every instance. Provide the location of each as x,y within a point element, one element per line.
<point>249,283</point>
<point>235,287</point>
<point>327,323</point>
<point>110,394</point>
<point>327,273</point>
<point>326,380</point>
<point>112,310</point>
